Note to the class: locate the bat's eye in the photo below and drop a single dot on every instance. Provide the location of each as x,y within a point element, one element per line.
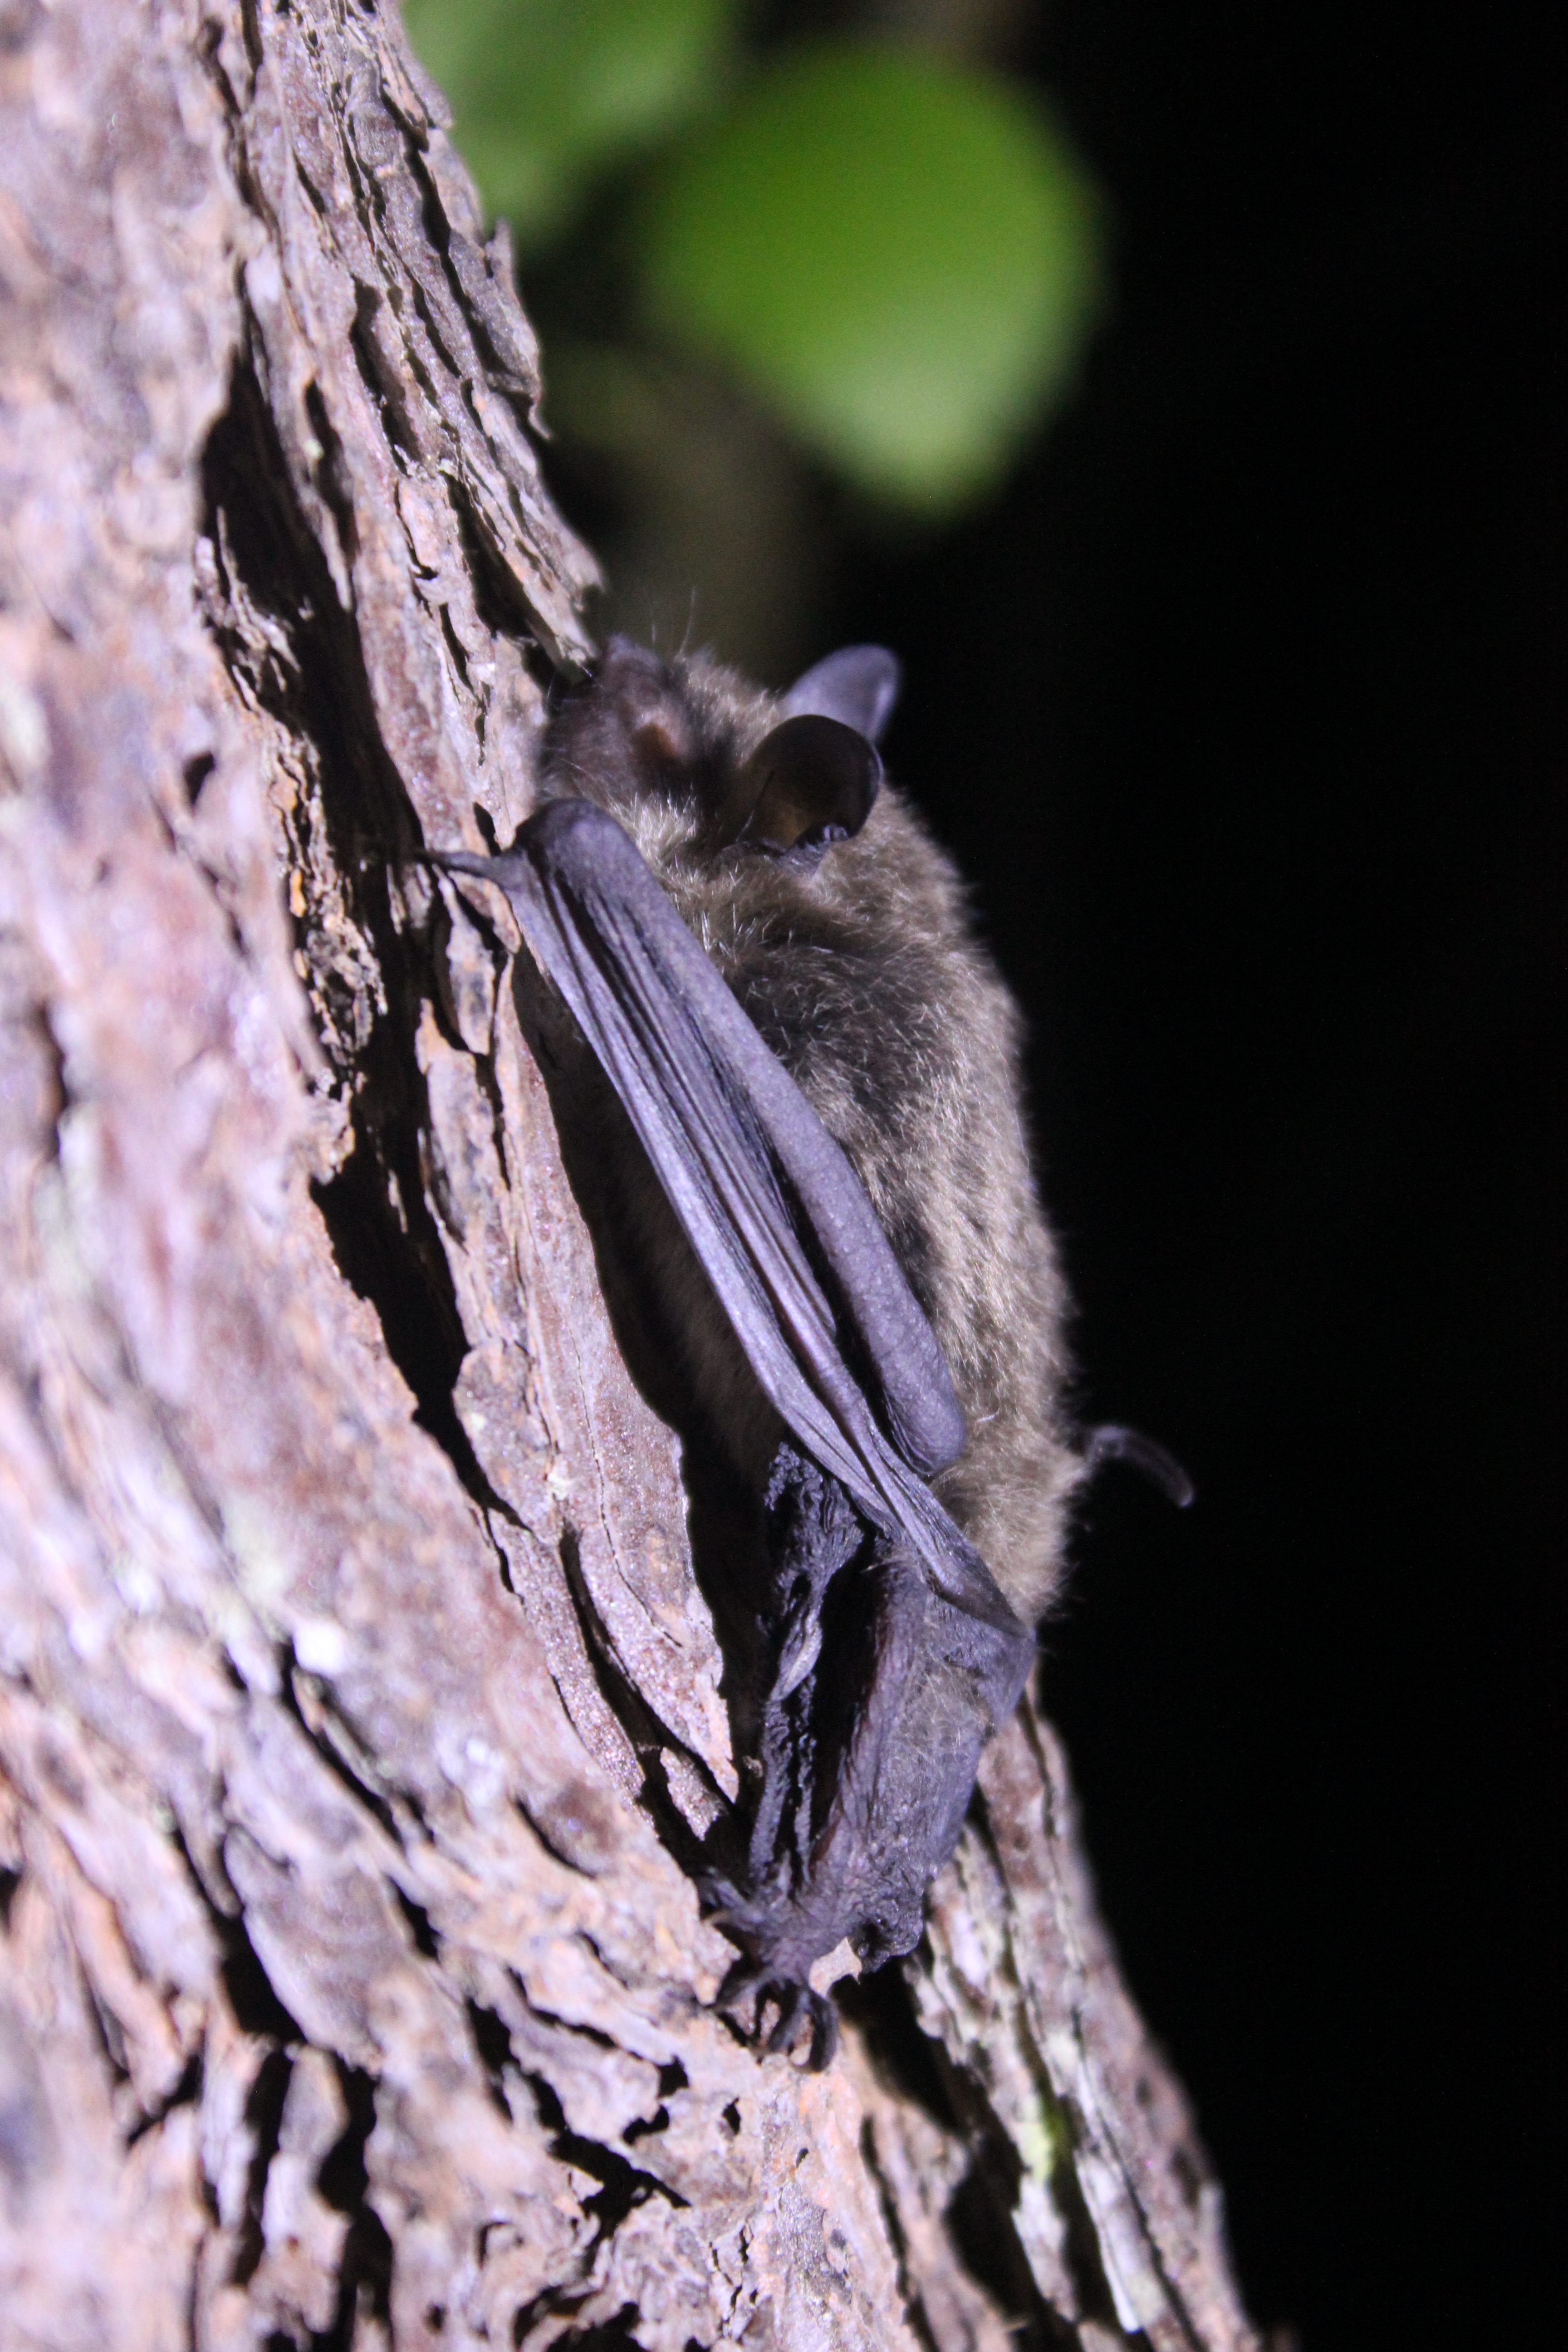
<point>812,782</point>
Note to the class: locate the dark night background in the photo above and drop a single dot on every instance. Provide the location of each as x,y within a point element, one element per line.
<point>1234,708</point>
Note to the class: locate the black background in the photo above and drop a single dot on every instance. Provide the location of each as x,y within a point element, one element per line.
<point>1236,709</point>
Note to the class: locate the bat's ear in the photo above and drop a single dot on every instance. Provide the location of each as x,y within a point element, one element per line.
<point>858,685</point>
<point>810,782</point>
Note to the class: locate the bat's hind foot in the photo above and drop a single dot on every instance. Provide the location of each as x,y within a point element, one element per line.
<point>797,2011</point>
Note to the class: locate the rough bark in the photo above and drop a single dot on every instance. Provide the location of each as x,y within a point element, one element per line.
<point>357,1705</point>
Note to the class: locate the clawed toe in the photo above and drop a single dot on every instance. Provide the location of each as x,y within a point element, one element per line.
<point>794,2001</point>
<point>797,2008</point>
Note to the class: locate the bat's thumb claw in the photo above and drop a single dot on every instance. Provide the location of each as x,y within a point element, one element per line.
<point>797,1662</point>
<point>457,861</point>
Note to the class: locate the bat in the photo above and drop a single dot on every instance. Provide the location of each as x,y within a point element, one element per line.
<point>819,1174</point>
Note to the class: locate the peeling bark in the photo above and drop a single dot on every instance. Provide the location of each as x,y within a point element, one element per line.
<point>358,1709</point>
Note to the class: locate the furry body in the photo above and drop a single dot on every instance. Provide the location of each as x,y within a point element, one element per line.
<point>860,969</point>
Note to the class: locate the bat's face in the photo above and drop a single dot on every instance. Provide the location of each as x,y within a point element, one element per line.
<point>703,768</point>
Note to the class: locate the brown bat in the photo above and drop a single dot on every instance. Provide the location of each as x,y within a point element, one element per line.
<point>829,1195</point>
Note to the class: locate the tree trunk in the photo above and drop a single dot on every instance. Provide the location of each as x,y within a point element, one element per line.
<point>357,1705</point>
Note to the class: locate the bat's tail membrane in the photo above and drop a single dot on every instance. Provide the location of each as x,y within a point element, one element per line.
<point>1111,1442</point>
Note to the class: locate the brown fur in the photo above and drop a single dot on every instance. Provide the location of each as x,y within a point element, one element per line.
<point>863,974</point>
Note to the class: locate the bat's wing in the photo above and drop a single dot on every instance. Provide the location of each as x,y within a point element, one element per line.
<point>748,1168</point>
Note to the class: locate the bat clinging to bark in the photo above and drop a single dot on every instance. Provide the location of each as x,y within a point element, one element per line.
<point>830,1195</point>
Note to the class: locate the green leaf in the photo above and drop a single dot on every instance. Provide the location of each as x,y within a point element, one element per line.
<point>901,256</point>
<point>544,93</point>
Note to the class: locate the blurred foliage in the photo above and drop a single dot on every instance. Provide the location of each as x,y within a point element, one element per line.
<point>892,250</point>
<point>896,252</point>
<point>547,94</point>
